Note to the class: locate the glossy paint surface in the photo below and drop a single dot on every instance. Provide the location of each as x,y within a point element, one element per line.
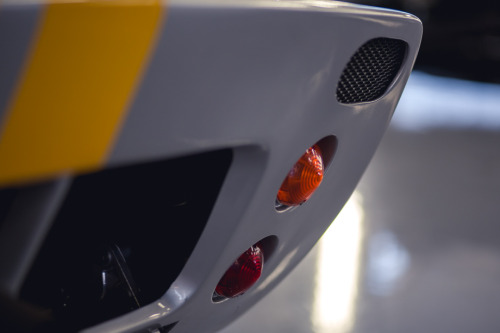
<point>259,78</point>
<point>85,61</point>
<point>421,250</point>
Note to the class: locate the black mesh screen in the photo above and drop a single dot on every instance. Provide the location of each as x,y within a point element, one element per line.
<point>371,70</point>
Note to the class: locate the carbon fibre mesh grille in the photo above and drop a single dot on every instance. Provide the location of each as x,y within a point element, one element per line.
<point>371,70</point>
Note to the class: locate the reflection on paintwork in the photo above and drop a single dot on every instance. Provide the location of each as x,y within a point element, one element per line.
<point>388,260</point>
<point>337,272</point>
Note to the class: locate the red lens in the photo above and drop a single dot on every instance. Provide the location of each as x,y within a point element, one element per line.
<point>244,272</point>
<point>303,179</point>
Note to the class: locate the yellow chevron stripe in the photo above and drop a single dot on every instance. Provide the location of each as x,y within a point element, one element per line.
<point>82,73</point>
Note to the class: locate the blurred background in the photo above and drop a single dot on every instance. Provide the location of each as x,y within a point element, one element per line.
<point>417,248</point>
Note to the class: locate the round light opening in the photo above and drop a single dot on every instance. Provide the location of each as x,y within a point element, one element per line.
<point>303,179</point>
<point>242,274</point>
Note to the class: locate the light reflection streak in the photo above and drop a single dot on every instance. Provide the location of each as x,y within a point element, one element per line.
<point>388,261</point>
<point>438,102</point>
<point>337,271</point>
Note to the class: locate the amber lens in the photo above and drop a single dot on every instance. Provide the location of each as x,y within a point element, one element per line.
<point>303,179</point>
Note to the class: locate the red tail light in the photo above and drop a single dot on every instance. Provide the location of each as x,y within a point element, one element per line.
<point>242,274</point>
<point>303,179</point>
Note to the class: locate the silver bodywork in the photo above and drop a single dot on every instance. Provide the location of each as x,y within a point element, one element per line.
<point>260,78</point>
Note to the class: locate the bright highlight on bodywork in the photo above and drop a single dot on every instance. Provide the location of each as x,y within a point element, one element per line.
<point>303,179</point>
<point>337,271</point>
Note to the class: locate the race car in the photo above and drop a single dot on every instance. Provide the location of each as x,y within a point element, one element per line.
<point>164,165</point>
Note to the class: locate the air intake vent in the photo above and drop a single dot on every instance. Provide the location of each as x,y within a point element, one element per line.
<point>121,237</point>
<point>371,70</point>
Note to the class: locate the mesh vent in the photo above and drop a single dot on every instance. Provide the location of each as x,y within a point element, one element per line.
<point>371,70</point>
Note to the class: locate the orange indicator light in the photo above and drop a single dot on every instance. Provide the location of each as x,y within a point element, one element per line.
<point>303,179</point>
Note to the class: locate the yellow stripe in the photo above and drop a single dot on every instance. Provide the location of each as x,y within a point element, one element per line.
<point>82,73</point>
